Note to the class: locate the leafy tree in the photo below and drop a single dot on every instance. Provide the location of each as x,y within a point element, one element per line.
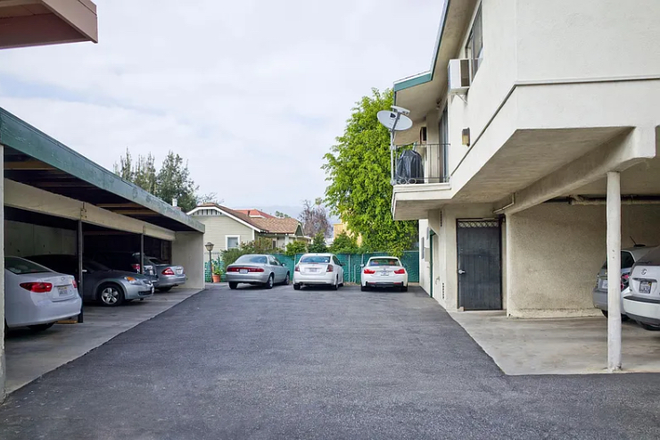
<point>344,244</point>
<point>144,174</point>
<point>295,247</point>
<point>358,169</point>
<point>173,182</point>
<point>314,219</point>
<point>125,167</point>
<point>318,244</point>
<point>279,214</point>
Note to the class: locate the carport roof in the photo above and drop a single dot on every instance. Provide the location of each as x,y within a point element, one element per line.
<point>34,158</point>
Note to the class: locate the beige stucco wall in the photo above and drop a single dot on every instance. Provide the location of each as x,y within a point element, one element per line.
<point>24,239</point>
<point>555,251</point>
<point>218,227</point>
<point>185,252</point>
<point>424,261</point>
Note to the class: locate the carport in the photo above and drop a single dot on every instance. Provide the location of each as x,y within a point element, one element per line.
<point>58,202</point>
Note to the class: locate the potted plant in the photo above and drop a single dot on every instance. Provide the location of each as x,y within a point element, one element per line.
<point>217,273</point>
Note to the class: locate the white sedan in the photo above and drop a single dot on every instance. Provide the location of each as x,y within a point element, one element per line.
<point>384,272</point>
<point>318,269</point>
<point>37,297</point>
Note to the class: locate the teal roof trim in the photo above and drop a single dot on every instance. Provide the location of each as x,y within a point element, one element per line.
<point>427,76</point>
<point>23,137</point>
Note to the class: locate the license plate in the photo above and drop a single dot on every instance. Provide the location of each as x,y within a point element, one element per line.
<point>63,290</point>
<point>243,271</point>
<point>313,269</point>
<point>179,271</point>
<point>644,287</point>
<point>384,274</point>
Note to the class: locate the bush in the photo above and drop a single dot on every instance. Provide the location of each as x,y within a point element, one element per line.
<point>295,247</point>
<point>261,245</point>
<point>318,244</point>
<point>344,244</point>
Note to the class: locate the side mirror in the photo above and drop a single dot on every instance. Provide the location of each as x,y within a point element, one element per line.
<point>361,265</point>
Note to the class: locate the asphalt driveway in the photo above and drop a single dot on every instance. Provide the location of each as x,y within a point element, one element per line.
<point>317,364</point>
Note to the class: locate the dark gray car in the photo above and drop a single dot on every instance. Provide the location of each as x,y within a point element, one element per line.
<point>100,283</point>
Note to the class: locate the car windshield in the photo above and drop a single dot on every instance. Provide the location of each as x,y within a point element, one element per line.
<point>315,259</point>
<point>95,266</point>
<point>254,259</point>
<point>20,266</point>
<point>384,262</point>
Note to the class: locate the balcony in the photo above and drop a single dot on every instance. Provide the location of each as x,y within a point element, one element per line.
<point>420,180</point>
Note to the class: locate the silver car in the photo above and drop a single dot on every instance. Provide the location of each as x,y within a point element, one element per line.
<point>109,287</point>
<point>165,276</point>
<point>257,269</point>
<point>629,257</point>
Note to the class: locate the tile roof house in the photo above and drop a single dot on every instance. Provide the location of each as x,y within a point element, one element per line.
<point>227,228</point>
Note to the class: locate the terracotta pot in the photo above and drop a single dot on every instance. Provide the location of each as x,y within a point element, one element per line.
<point>216,278</point>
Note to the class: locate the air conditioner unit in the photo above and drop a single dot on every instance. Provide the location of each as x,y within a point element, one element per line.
<point>459,76</point>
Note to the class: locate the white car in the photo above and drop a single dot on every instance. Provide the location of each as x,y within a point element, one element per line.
<point>318,269</point>
<point>384,272</point>
<point>37,297</point>
<point>643,303</point>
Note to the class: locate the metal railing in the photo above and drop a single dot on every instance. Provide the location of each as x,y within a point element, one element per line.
<point>420,164</point>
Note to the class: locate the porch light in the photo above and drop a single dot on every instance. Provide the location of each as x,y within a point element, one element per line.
<point>466,137</point>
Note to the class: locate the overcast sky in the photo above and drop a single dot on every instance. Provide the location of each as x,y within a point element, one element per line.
<point>252,93</point>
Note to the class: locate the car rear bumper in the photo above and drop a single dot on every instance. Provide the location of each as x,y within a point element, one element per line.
<point>250,278</point>
<point>599,299</point>
<point>644,310</point>
<point>170,280</point>
<point>384,281</point>
<point>44,312</point>
<point>314,278</point>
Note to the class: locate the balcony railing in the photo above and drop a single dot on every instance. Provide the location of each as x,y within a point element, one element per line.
<point>421,163</point>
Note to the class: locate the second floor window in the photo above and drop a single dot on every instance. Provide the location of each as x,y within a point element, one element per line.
<point>474,49</point>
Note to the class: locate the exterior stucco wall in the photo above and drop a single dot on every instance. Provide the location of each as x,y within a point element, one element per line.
<point>24,239</point>
<point>185,251</point>
<point>218,227</point>
<point>568,39</point>
<point>555,251</point>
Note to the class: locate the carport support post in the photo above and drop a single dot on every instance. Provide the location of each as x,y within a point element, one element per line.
<point>142,254</point>
<point>613,271</point>
<point>80,244</point>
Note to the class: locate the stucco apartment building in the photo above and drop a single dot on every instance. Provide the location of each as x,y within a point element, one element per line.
<point>538,125</point>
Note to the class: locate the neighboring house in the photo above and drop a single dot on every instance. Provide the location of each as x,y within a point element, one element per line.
<point>339,228</point>
<point>228,228</point>
<point>254,213</point>
<point>553,104</point>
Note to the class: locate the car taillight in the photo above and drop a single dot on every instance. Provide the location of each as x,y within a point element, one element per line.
<point>136,267</point>
<point>255,269</point>
<point>625,279</point>
<point>330,268</point>
<point>400,271</point>
<point>232,269</point>
<point>75,285</point>
<point>297,269</point>
<point>369,271</point>
<point>168,271</point>
<point>37,287</point>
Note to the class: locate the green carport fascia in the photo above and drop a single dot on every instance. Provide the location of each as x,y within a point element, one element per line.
<point>23,137</point>
<point>427,76</point>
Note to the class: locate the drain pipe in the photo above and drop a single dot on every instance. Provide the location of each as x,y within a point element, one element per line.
<point>503,208</point>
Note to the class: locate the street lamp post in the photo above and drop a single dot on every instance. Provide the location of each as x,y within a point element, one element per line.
<point>209,247</point>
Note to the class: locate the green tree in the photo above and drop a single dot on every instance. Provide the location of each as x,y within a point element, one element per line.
<point>318,244</point>
<point>260,245</point>
<point>279,214</point>
<point>344,244</point>
<point>295,247</point>
<point>358,169</point>
<point>173,182</point>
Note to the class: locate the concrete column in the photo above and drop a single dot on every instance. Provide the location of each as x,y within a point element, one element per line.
<point>187,251</point>
<point>614,271</point>
<point>3,368</point>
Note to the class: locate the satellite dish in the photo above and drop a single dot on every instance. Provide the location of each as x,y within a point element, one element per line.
<point>394,121</point>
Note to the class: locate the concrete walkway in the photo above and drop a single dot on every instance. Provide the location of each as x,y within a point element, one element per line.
<point>558,346</point>
<point>316,364</point>
<point>30,355</point>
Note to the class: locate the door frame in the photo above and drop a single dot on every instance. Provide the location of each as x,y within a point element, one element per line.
<point>501,257</point>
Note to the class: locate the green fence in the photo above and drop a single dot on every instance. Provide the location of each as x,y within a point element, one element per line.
<point>352,264</point>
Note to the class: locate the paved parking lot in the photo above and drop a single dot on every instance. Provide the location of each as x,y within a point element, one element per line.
<point>317,364</point>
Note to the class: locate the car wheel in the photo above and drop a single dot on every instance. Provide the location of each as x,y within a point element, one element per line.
<point>41,327</point>
<point>335,286</point>
<point>111,295</point>
<point>653,328</point>
<point>164,289</point>
<point>404,288</point>
<point>233,286</point>
<point>287,280</point>
<point>296,286</point>
<point>624,318</point>
<point>269,283</point>
<point>364,288</point>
